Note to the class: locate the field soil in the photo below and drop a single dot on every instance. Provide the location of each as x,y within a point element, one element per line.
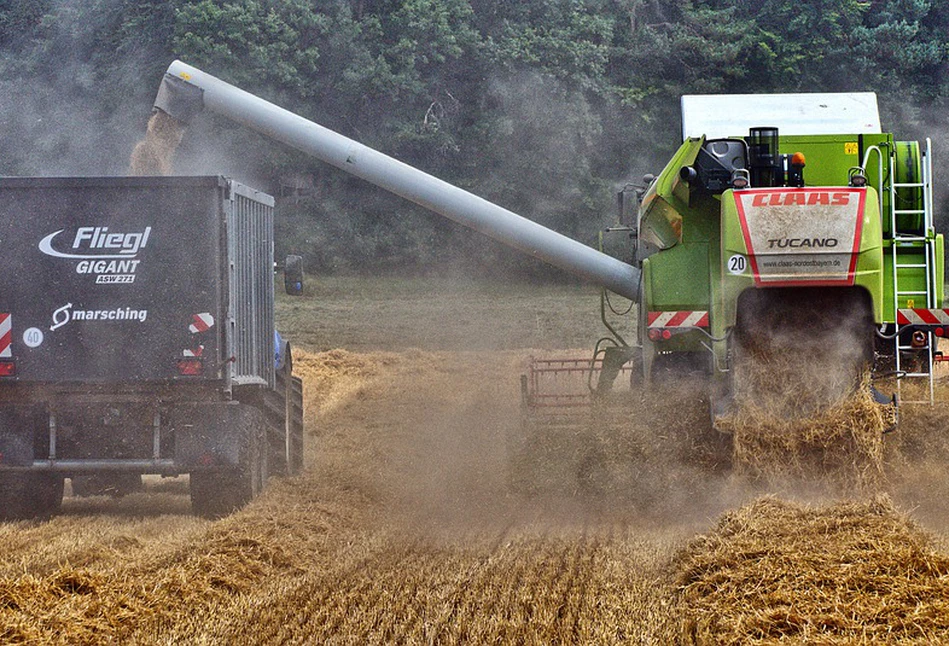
<point>405,526</point>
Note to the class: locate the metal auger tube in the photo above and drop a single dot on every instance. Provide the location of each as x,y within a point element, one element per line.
<point>185,90</point>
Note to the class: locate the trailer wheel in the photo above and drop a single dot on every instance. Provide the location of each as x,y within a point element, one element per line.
<point>217,493</point>
<point>24,496</point>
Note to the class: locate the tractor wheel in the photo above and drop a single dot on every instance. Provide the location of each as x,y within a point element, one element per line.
<point>291,453</point>
<point>287,447</point>
<point>295,426</point>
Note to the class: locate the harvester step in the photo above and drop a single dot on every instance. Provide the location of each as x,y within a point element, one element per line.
<point>915,265</point>
<point>902,293</point>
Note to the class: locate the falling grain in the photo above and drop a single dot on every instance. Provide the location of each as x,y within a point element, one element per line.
<point>155,153</point>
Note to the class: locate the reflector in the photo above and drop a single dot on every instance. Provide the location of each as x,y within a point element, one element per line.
<point>190,367</point>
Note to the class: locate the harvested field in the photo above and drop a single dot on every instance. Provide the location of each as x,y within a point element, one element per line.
<point>849,573</point>
<point>403,528</point>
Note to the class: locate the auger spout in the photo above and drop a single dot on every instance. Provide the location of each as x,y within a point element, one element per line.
<point>185,91</point>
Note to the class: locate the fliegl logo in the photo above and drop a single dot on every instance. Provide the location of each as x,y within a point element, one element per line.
<point>108,255</point>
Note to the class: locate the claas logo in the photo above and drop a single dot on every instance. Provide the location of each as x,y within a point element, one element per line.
<point>801,198</point>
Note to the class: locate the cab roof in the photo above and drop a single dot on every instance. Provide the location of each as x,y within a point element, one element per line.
<point>718,116</point>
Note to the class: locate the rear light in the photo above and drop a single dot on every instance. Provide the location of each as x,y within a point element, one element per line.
<point>7,369</point>
<point>655,334</point>
<point>190,367</point>
<point>940,331</point>
<point>918,339</point>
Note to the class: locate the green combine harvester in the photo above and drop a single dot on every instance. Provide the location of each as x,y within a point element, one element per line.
<point>784,218</point>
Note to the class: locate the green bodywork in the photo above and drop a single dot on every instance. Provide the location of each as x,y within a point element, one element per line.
<point>687,236</point>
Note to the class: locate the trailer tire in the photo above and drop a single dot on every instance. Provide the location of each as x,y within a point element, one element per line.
<point>25,496</point>
<point>219,492</point>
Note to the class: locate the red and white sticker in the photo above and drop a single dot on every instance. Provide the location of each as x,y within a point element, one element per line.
<point>677,318</point>
<point>6,336</point>
<point>196,352</point>
<point>201,322</point>
<point>916,316</point>
<point>802,236</point>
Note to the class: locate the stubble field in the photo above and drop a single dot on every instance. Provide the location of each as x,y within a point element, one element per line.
<point>404,529</point>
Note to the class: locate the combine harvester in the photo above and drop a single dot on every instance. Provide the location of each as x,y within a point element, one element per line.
<point>783,225</point>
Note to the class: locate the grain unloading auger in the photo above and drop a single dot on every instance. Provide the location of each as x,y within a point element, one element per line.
<point>186,90</point>
<point>729,251</point>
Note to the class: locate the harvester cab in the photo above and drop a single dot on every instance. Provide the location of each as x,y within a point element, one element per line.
<point>747,260</point>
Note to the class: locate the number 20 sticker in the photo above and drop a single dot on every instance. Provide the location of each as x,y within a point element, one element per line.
<point>737,264</point>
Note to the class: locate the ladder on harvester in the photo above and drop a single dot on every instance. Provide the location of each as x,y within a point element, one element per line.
<point>906,243</point>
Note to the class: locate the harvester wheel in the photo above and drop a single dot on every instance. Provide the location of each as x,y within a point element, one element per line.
<point>680,382</point>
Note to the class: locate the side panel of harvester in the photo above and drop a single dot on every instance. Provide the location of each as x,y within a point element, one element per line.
<point>679,248</point>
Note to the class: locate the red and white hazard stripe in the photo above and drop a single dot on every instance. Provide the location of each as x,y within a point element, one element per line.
<point>6,336</point>
<point>201,322</point>
<point>679,318</point>
<point>922,317</point>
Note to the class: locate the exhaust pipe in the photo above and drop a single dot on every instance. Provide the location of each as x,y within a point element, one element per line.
<point>186,90</point>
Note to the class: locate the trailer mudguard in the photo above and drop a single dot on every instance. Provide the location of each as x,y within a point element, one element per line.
<point>213,435</point>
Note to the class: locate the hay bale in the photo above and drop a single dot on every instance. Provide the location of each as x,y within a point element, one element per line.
<point>853,572</point>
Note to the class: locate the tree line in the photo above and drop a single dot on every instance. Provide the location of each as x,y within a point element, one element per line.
<point>544,106</point>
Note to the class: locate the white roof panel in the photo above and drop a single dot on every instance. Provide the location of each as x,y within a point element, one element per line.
<point>731,115</point>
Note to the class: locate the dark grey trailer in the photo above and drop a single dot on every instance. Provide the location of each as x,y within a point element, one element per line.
<point>137,336</point>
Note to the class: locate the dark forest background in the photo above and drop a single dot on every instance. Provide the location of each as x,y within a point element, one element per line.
<point>544,106</point>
